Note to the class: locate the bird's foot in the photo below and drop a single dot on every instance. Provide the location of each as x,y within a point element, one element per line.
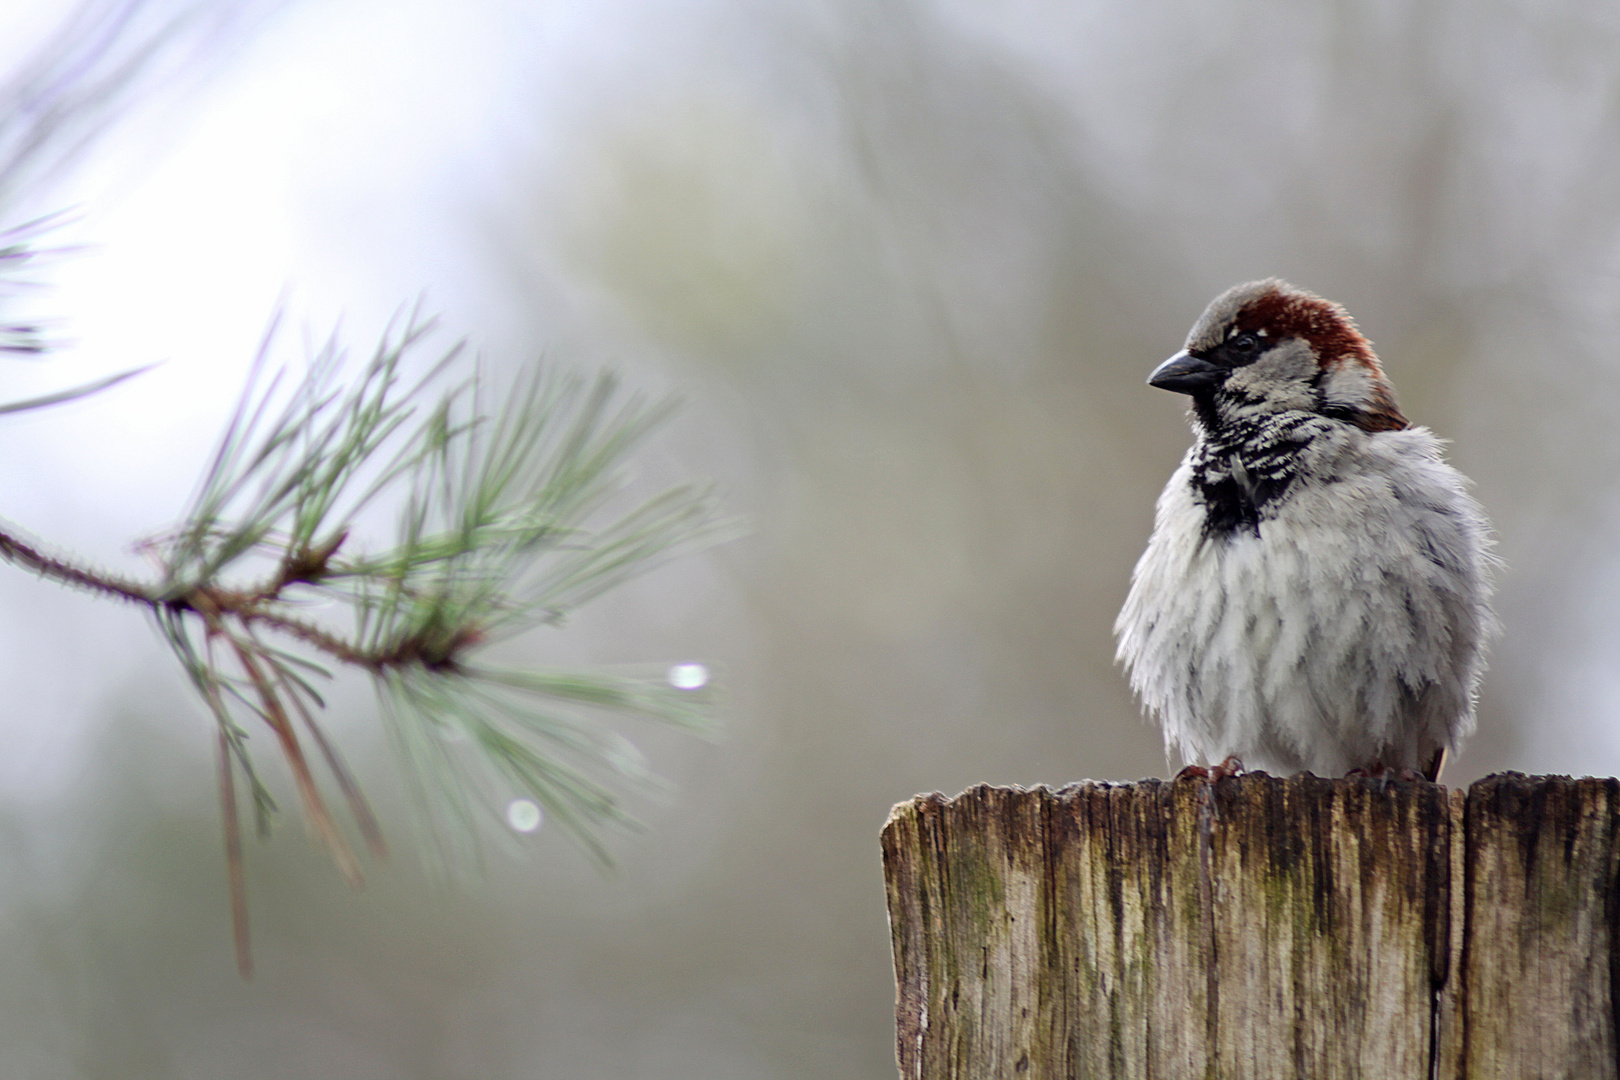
<point>1230,766</point>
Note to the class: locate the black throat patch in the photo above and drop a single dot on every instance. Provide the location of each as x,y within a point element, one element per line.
<point>1241,468</point>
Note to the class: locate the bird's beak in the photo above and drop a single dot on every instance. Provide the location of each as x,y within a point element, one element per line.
<point>1186,374</point>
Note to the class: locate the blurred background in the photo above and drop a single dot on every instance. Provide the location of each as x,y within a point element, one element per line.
<point>909,263</point>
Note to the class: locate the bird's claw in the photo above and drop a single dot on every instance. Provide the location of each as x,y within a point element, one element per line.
<point>1231,765</point>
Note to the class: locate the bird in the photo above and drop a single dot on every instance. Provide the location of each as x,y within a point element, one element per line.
<point>1315,595</point>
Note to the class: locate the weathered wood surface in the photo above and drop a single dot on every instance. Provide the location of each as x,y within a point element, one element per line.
<point>1258,927</point>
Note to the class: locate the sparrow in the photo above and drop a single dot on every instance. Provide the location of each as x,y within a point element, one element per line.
<point>1316,593</point>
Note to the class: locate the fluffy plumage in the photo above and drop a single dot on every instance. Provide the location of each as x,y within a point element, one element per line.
<point>1316,592</point>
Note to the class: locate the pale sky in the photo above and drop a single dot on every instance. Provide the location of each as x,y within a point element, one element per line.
<point>326,169</point>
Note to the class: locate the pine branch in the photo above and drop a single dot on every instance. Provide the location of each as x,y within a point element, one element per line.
<point>506,523</point>
<point>510,518</point>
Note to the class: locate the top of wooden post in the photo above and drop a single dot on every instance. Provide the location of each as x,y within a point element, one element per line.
<point>1257,927</point>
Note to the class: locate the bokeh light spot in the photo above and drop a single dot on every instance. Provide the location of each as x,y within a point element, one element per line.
<point>524,815</point>
<point>688,676</point>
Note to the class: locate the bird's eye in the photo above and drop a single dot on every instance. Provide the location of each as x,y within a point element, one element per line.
<point>1243,344</point>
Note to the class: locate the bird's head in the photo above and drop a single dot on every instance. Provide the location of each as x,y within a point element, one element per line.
<point>1266,346</point>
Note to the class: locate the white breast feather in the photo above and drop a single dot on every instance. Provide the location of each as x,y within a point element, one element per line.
<point>1351,629</point>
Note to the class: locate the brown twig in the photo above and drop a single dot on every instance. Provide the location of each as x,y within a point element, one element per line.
<point>251,607</point>
<point>232,616</point>
<point>271,686</point>
<point>358,806</point>
<point>14,549</point>
<point>314,807</point>
<point>233,858</point>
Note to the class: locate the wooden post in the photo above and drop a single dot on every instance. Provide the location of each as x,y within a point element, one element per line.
<point>1258,927</point>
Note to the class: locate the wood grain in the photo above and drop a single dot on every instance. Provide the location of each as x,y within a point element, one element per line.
<point>1538,962</point>
<point>1257,927</point>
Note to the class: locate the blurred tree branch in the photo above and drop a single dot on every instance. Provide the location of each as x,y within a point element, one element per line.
<point>507,519</point>
<point>506,522</point>
<point>103,57</point>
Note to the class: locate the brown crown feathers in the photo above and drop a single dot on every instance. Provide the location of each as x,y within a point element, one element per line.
<point>1276,310</point>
